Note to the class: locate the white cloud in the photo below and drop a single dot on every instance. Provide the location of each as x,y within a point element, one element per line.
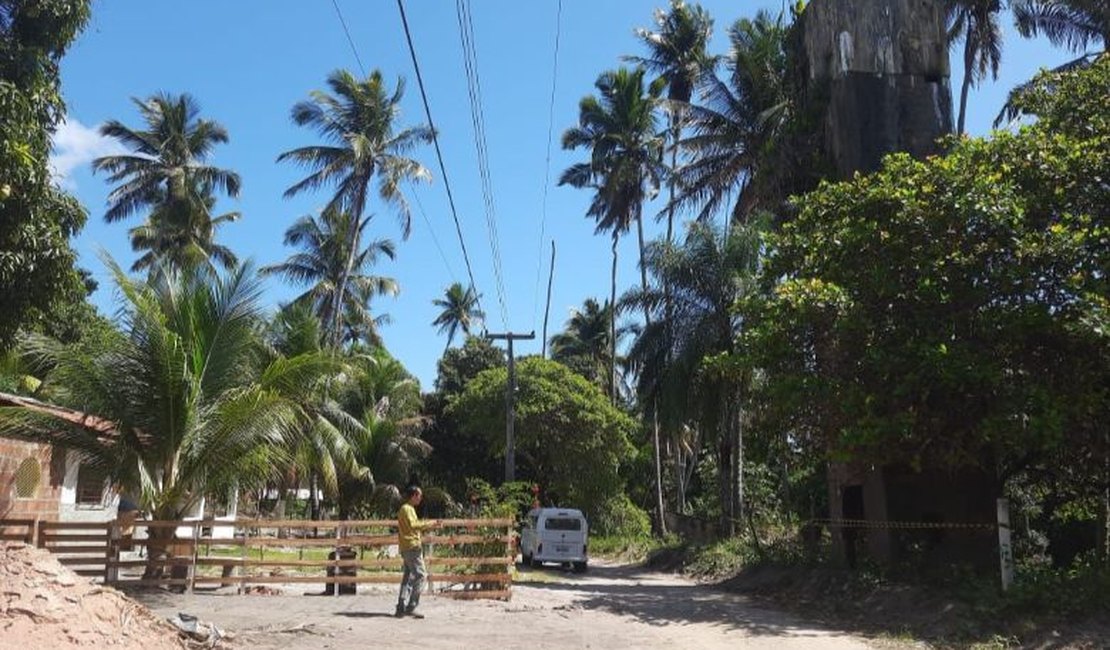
<point>76,145</point>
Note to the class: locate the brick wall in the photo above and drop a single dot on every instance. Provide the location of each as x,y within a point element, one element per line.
<point>43,504</point>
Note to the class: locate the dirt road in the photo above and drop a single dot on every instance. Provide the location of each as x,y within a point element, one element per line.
<point>611,607</point>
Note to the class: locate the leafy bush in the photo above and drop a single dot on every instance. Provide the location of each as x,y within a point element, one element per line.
<point>619,517</point>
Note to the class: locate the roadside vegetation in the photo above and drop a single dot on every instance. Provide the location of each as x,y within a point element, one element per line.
<point>947,314</point>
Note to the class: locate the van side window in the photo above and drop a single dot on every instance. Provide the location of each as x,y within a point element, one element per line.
<point>563,523</point>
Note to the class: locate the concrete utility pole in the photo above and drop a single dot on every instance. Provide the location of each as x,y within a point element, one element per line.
<point>510,401</point>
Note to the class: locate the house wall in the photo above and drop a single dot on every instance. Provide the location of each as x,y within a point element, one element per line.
<point>70,510</point>
<point>44,503</point>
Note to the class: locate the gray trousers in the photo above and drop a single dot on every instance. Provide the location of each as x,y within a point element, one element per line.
<point>412,582</point>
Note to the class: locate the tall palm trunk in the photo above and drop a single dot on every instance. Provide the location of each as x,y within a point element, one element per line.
<point>352,253</point>
<point>660,521</point>
<point>613,324</point>
<point>969,63</point>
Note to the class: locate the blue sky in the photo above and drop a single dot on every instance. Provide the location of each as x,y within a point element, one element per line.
<point>249,61</point>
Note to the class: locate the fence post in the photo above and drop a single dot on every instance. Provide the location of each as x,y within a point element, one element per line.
<point>335,562</point>
<point>32,532</point>
<point>512,555</point>
<point>1005,552</point>
<point>40,538</point>
<point>193,558</point>
<point>243,557</point>
<point>111,556</point>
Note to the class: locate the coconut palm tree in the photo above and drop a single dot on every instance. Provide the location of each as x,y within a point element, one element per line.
<point>618,127</point>
<point>677,53</point>
<point>584,344</point>
<point>182,234</point>
<point>363,142</point>
<point>1072,24</point>
<point>706,274</point>
<point>736,125</point>
<point>182,405</point>
<point>459,309</point>
<point>333,277</point>
<point>976,22</point>
<point>167,173</point>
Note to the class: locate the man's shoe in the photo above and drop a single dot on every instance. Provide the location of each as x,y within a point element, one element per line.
<point>411,611</point>
<point>400,611</point>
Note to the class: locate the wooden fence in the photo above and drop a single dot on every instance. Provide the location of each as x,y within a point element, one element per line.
<point>466,558</point>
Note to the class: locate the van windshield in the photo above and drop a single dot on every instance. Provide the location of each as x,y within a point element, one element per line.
<point>563,523</point>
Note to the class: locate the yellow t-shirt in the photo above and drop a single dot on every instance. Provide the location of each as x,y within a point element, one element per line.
<point>408,528</point>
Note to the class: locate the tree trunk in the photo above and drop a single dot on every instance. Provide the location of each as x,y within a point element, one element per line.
<point>661,523</point>
<point>662,520</point>
<point>738,460</point>
<point>314,499</point>
<point>613,325</point>
<point>680,477</point>
<point>725,458</point>
<point>969,62</point>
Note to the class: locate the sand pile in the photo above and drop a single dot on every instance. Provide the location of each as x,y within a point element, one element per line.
<point>45,605</point>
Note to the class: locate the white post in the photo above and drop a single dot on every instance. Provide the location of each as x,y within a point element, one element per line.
<point>1005,552</point>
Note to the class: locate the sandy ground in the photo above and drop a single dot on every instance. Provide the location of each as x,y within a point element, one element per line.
<point>612,607</point>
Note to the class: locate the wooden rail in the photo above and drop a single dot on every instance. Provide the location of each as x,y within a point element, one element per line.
<point>467,558</point>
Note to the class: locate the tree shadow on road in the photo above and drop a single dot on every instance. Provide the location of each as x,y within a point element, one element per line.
<point>655,600</point>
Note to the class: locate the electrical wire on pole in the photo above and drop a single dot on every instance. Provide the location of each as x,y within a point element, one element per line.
<point>481,145</point>
<point>439,153</point>
<point>547,162</point>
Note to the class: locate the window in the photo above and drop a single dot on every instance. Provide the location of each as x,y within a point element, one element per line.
<point>90,485</point>
<point>27,478</point>
<point>563,523</point>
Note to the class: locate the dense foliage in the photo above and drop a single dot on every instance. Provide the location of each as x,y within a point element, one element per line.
<point>38,274</point>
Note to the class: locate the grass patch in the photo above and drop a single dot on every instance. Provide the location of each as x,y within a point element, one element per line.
<point>627,548</point>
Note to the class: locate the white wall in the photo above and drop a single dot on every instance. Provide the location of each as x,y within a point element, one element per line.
<point>70,510</point>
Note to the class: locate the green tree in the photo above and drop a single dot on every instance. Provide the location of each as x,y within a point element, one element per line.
<point>618,128</point>
<point>180,406</point>
<point>38,274</point>
<point>333,279</point>
<point>570,440</point>
<point>459,455</point>
<point>1071,24</point>
<point>459,309</point>
<point>707,275</point>
<point>359,123</point>
<point>167,173</point>
<point>584,344</point>
<point>735,130</point>
<point>953,311</point>
<point>182,239</point>
<point>677,54</point>
<point>976,22</point>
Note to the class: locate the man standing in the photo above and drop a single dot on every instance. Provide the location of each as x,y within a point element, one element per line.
<point>408,539</point>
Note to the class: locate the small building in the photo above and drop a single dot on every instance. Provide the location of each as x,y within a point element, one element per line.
<point>38,481</point>
<point>41,481</point>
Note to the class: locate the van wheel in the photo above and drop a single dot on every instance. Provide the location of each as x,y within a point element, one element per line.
<point>534,563</point>
<point>525,560</point>
<point>579,567</point>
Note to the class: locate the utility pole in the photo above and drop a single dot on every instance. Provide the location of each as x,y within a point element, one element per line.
<point>547,309</point>
<point>510,401</point>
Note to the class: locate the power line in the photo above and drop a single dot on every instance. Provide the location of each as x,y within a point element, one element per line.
<point>547,160</point>
<point>481,145</point>
<point>412,188</point>
<point>435,239</point>
<point>439,153</point>
<point>350,40</point>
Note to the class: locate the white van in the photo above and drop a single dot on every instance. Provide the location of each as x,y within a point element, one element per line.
<point>554,535</point>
